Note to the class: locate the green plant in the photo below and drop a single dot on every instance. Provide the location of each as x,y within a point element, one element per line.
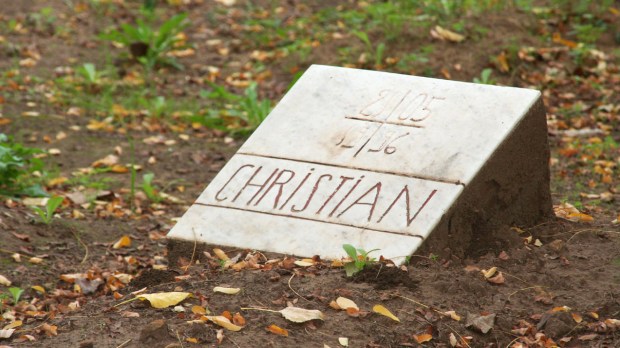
<point>50,207</point>
<point>149,189</point>
<point>16,293</point>
<point>89,73</point>
<point>485,77</point>
<point>377,51</point>
<point>149,45</point>
<point>359,259</point>
<point>240,114</point>
<point>17,162</point>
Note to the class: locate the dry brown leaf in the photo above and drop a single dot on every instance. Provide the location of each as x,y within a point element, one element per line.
<point>123,242</point>
<point>199,310</point>
<point>50,330</point>
<point>422,338</point>
<point>238,319</point>
<point>498,279</point>
<point>107,161</point>
<point>577,317</point>
<point>277,330</point>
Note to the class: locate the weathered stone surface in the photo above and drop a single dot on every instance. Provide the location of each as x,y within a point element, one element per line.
<point>380,160</point>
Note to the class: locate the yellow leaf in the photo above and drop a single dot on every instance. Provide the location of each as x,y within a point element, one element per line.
<point>191,340</point>
<point>199,310</point>
<point>125,241</point>
<point>422,338</point>
<point>224,322</point>
<point>229,291</point>
<point>344,341</point>
<point>488,273</point>
<point>164,299</point>
<point>577,317</point>
<point>384,311</point>
<point>220,254</point>
<point>35,260</point>
<point>446,35</point>
<point>560,309</point>
<point>453,315</point>
<point>277,330</point>
<point>38,288</point>
<point>12,325</point>
<point>345,303</point>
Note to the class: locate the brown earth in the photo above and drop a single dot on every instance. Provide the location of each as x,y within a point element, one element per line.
<point>555,264</point>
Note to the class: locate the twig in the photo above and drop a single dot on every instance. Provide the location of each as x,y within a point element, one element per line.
<point>124,343</point>
<point>589,230</point>
<point>179,338</point>
<point>193,252</point>
<point>290,287</point>
<point>259,309</point>
<point>461,337</point>
<point>425,306</point>
<point>529,287</point>
<point>77,237</point>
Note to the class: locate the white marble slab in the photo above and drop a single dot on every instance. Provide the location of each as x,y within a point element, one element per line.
<point>351,156</point>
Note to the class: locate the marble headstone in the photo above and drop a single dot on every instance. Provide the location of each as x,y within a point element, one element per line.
<point>380,161</point>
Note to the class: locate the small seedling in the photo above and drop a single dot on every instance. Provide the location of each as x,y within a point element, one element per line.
<point>359,259</point>
<point>485,77</point>
<point>149,189</point>
<point>16,293</point>
<point>50,207</point>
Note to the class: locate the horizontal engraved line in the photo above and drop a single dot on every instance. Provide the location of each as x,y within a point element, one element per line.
<point>383,121</point>
<point>421,177</point>
<point>307,219</point>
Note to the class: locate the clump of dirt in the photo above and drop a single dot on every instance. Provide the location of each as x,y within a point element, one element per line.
<point>384,276</point>
<point>151,277</point>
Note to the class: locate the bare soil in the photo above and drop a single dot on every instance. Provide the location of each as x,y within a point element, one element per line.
<point>561,279</point>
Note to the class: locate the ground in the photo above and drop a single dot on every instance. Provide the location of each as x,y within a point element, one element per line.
<point>557,283</point>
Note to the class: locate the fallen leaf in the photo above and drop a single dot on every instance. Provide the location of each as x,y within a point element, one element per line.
<point>107,161</point>
<point>385,312</point>
<point>588,337</point>
<point>13,325</point>
<point>343,341</point>
<point>453,315</point>
<point>498,279</point>
<point>345,303</point>
<point>577,317</point>
<point>300,315</point>
<point>229,291</point>
<point>4,281</point>
<point>446,35</point>
<point>221,254</point>
<point>39,289</point>
<point>224,322</point>
<point>488,273</point>
<point>128,314</point>
<point>238,319</point>
<point>422,338</point>
<point>277,330</point>
<point>35,260</point>
<point>124,241</point>
<point>6,333</point>
<point>199,310</point>
<point>481,323</point>
<point>164,299</point>
<point>50,330</point>
<point>304,263</point>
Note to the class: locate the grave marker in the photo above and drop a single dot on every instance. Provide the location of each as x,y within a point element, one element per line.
<point>379,160</point>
